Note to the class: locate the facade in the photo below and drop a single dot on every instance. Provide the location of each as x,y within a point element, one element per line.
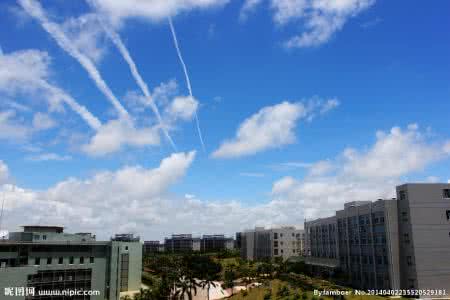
<point>388,244</point>
<point>215,243</point>
<point>182,243</point>
<point>46,258</point>
<point>261,243</point>
<point>424,235</point>
<point>151,247</point>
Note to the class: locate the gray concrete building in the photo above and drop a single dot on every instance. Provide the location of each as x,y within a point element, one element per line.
<point>388,244</point>
<point>46,258</point>
<point>152,247</point>
<point>424,235</point>
<point>261,243</point>
<point>182,243</point>
<point>216,243</point>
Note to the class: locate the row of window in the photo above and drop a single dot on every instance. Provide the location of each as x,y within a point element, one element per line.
<point>49,260</point>
<point>445,194</point>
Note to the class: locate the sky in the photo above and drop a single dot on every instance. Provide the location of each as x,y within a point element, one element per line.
<point>214,116</point>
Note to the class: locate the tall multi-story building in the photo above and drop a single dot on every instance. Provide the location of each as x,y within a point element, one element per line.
<point>182,243</point>
<point>46,258</point>
<point>261,243</point>
<point>216,242</point>
<point>424,235</point>
<point>388,244</point>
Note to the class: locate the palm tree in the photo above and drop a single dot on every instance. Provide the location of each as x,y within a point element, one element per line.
<point>210,273</point>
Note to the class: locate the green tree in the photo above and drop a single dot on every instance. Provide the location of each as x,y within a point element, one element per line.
<point>230,276</point>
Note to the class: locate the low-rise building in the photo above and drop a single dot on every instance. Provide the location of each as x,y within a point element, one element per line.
<point>45,258</point>
<point>261,243</point>
<point>182,243</point>
<point>152,247</point>
<point>215,243</point>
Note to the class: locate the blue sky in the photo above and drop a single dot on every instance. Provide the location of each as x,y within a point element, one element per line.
<point>385,65</point>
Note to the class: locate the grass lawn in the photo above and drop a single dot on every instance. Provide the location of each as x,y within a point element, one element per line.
<point>258,294</point>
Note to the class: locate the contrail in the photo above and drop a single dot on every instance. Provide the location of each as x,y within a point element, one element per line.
<point>35,10</point>
<point>186,75</point>
<point>85,114</point>
<point>137,77</point>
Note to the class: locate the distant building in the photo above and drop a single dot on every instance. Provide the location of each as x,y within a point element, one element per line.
<point>153,247</point>
<point>182,243</point>
<point>215,243</point>
<point>261,243</point>
<point>46,258</point>
<point>400,243</point>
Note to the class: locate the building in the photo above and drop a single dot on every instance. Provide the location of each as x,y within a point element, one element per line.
<point>387,244</point>
<point>182,243</point>
<point>261,243</point>
<point>46,258</point>
<point>152,247</point>
<point>424,235</point>
<point>216,243</point>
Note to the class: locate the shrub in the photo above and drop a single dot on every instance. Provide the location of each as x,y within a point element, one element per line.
<point>283,291</point>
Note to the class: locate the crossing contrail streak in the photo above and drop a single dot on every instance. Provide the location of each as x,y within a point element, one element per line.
<point>35,10</point>
<point>137,77</point>
<point>85,114</point>
<point>186,75</point>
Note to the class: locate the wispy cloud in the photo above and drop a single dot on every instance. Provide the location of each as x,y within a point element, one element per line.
<point>48,157</point>
<point>252,174</point>
<point>114,36</point>
<point>188,81</point>
<point>28,72</point>
<point>320,19</point>
<point>35,10</point>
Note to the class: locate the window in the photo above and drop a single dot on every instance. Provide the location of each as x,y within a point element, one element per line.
<point>448,214</point>
<point>37,261</point>
<point>275,243</point>
<point>281,235</point>
<point>91,259</point>
<point>81,260</point>
<point>60,261</point>
<point>409,261</point>
<point>36,237</point>
<point>126,248</point>
<point>44,237</point>
<point>406,238</point>
<point>71,260</point>
<point>404,216</point>
<point>275,251</point>
<point>402,195</point>
<point>275,235</point>
<point>281,251</point>
<point>49,260</point>
<point>293,234</point>
<point>281,243</point>
<point>446,193</point>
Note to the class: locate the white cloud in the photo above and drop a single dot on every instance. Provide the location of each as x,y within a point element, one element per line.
<point>10,128</point>
<point>4,172</point>
<point>183,107</point>
<point>271,127</point>
<point>321,19</point>
<point>49,157</point>
<point>157,10</point>
<point>43,121</point>
<point>138,199</point>
<point>248,7</point>
<point>86,34</point>
<point>27,73</point>
<point>116,134</point>
<point>395,153</point>
<point>360,175</point>
<point>131,198</point>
